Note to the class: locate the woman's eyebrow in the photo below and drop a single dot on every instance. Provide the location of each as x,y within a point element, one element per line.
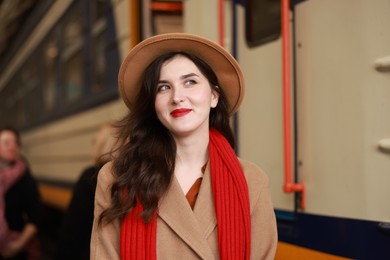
<point>181,77</point>
<point>163,81</point>
<point>189,75</point>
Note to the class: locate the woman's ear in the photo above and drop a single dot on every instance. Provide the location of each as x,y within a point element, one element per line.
<point>214,98</point>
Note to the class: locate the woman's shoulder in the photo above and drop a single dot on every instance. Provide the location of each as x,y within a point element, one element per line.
<point>256,179</point>
<point>105,179</point>
<point>106,174</point>
<point>253,173</point>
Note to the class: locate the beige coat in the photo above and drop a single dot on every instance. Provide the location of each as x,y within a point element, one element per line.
<point>183,233</point>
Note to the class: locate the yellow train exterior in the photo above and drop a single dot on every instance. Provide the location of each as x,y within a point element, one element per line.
<point>340,109</point>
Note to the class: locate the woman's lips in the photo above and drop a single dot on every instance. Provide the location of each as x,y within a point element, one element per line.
<point>180,112</point>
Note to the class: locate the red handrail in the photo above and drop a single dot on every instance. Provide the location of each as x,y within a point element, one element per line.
<point>289,184</point>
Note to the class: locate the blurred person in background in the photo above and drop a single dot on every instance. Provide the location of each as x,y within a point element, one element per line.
<point>8,176</point>
<point>23,207</point>
<point>75,233</point>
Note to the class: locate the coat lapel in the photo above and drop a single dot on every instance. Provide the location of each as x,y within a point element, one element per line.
<point>204,209</point>
<point>193,227</point>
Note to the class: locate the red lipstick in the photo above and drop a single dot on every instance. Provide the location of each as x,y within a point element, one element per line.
<point>180,112</point>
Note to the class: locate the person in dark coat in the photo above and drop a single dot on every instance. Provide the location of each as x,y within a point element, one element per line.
<point>75,233</point>
<point>23,205</point>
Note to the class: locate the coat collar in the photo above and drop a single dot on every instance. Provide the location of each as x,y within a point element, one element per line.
<point>192,226</point>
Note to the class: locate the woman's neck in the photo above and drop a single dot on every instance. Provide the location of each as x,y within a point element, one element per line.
<point>191,156</point>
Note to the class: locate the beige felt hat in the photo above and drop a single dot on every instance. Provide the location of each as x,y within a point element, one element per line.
<point>226,68</point>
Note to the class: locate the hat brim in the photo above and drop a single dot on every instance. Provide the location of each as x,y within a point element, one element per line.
<point>226,68</point>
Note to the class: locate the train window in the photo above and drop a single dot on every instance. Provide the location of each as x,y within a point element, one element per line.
<point>99,43</point>
<point>20,114</point>
<point>72,56</point>
<point>50,59</point>
<point>99,64</point>
<point>262,21</point>
<point>13,104</point>
<point>20,96</point>
<point>33,105</point>
<point>73,77</point>
<point>29,91</point>
<point>77,60</point>
<point>5,106</point>
<point>72,29</point>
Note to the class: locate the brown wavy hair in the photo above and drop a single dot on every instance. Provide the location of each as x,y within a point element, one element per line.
<point>145,162</point>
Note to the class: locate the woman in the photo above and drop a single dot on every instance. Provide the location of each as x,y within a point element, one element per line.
<point>176,189</point>
<point>23,208</point>
<point>8,176</point>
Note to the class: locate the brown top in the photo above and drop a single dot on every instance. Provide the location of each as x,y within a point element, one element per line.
<point>193,192</point>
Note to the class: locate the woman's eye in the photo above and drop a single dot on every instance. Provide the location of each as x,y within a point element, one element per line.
<point>162,87</point>
<point>190,82</point>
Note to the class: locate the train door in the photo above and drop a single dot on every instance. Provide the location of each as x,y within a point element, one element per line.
<point>340,123</point>
<point>343,106</point>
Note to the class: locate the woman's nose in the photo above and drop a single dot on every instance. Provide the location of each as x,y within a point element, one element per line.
<point>178,96</point>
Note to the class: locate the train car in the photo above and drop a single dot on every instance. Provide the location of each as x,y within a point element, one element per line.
<point>315,116</point>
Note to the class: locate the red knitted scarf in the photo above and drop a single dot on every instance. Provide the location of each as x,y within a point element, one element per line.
<point>231,200</point>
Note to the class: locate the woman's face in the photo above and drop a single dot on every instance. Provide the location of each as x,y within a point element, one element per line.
<point>9,148</point>
<point>184,97</point>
